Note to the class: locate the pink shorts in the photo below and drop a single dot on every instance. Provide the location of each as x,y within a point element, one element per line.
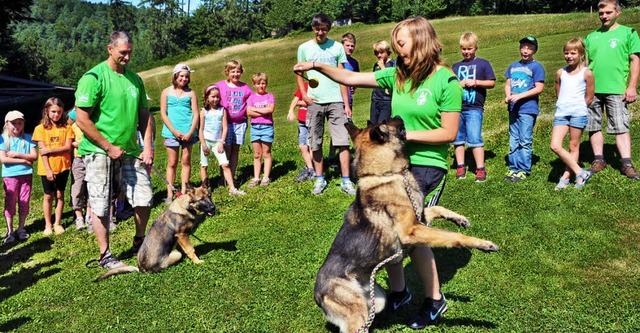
<point>17,189</point>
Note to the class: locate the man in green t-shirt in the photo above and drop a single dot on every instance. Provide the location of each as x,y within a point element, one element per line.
<point>111,105</point>
<point>613,52</point>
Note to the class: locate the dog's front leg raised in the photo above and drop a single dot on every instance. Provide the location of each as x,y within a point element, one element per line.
<point>185,245</point>
<point>434,212</point>
<point>411,232</point>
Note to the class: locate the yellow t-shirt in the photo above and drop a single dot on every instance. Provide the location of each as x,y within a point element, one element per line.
<point>55,137</point>
<point>78,137</point>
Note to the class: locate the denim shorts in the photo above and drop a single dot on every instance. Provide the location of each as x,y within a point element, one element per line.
<point>175,143</point>
<point>262,132</point>
<point>470,129</point>
<point>572,121</point>
<point>235,134</point>
<point>303,133</point>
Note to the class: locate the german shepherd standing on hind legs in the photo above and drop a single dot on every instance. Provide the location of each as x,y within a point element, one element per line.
<point>381,221</point>
<point>173,226</point>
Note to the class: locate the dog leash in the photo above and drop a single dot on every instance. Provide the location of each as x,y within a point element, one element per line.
<point>372,300</point>
<point>416,206</point>
<point>175,190</point>
<point>372,279</point>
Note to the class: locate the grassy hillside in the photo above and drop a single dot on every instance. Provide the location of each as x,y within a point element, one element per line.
<point>568,261</point>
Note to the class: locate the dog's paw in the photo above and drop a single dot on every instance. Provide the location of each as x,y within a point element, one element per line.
<point>460,221</point>
<point>488,247</point>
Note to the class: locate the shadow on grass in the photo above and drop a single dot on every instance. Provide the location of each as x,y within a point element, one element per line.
<point>14,324</point>
<point>22,254</point>
<point>23,279</point>
<point>585,158</point>
<point>470,161</point>
<point>205,248</point>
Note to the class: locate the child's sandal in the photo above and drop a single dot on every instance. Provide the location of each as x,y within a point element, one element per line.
<point>581,180</point>
<point>562,184</point>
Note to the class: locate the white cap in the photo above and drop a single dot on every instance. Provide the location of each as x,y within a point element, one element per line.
<point>13,115</point>
<point>181,68</point>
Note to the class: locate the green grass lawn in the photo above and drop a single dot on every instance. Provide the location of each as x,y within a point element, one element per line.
<point>568,260</point>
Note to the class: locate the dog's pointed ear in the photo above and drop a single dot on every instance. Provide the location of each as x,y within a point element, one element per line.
<point>188,187</point>
<point>369,123</point>
<point>353,130</point>
<point>379,134</point>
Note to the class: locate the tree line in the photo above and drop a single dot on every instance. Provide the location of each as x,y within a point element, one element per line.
<point>58,40</point>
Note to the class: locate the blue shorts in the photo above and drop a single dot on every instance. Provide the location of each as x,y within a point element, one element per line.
<point>262,132</point>
<point>235,134</point>
<point>470,129</point>
<point>303,133</point>
<point>572,121</point>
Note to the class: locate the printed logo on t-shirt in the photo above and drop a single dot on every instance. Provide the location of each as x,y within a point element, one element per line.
<point>423,93</point>
<point>133,91</point>
<point>83,98</point>
<point>468,73</point>
<point>613,42</point>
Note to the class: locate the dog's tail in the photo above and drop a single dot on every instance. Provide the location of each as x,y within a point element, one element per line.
<point>116,271</point>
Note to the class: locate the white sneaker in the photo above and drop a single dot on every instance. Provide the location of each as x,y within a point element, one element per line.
<point>347,187</point>
<point>319,186</point>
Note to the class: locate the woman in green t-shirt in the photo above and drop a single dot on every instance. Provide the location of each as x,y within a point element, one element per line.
<point>428,97</point>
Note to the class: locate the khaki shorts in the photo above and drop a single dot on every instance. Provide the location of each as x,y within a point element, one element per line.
<point>129,177</point>
<point>336,118</point>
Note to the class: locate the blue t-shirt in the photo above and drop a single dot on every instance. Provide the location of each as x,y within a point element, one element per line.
<point>20,145</point>
<point>478,69</point>
<point>523,78</point>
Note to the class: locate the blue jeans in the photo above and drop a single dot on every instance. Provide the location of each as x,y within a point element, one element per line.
<point>470,129</point>
<point>520,141</point>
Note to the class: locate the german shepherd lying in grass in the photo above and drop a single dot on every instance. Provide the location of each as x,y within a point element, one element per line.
<point>173,226</point>
<point>381,221</point>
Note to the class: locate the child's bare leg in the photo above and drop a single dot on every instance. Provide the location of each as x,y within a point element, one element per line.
<point>203,175</point>
<point>59,206</point>
<point>9,224</point>
<point>268,159</point>
<point>226,173</point>
<point>306,155</point>
<point>257,158</point>
<point>186,167</point>
<point>459,152</point>
<point>478,156</point>
<point>172,166</point>
<point>47,207</point>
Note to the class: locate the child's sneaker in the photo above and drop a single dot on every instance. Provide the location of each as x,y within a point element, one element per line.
<point>10,238</point>
<point>347,187</point>
<point>108,261</point>
<point>461,171</point>
<point>265,182</point>
<point>253,183</point>
<point>80,223</point>
<point>519,176</point>
<point>319,186</point>
<point>509,176</point>
<point>236,191</point>
<point>304,175</point>
<point>429,313</point>
<point>481,175</point>
<point>22,234</point>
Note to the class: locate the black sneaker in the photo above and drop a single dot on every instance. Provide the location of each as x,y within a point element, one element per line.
<point>396,299</point>
<point>429,314</point>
